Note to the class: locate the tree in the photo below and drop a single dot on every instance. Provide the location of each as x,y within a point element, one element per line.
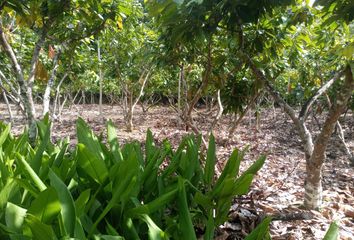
<point>128,44</point>
<point>56,22</point>
<point>255,25</point>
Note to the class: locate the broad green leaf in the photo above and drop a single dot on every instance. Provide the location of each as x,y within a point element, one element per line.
<point>4,134</point>
<point>242,184</point>
<point>31,173</point>
<point>107,237</point>
<point>155,233</point>
<point>333,232</point>
<point>81,202</point>
<point>14,217</point>
<point>27,186</point>
<point>155,205</point>
<point>230,170</point>
<point>210,162</point>
<point>40,231</point>
<point>254,168</point>
<point>210,226</point>
<point>68,211</point>
<point>92,165</point>
<point>261,232</point>
<point>113,142</point>
<point>185,220</point>
<point>7,192</point>
<point>60,156</point>
<point>37,160</point>
<point>89,139</point>
<point>46,206</point>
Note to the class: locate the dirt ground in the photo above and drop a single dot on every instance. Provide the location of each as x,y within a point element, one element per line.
<point>278,188</point>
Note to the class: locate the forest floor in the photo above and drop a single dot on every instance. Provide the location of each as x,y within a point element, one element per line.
<point>278,188</point>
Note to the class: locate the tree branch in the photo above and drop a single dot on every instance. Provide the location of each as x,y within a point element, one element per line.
<point>305,108</point>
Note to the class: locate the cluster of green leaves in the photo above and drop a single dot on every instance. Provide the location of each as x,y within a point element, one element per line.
<point>100,191</point>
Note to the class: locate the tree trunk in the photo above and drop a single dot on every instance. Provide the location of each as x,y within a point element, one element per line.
<point>25,94</point>
<point>100,77</point>
<point>219,114</point>
<point>46,96</point>
<point>132,103</point>
<point>8,106</point>
<point>57,97</point>
<point>313,187</point>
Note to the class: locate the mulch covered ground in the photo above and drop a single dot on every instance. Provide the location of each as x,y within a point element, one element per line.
<point>278,188</point>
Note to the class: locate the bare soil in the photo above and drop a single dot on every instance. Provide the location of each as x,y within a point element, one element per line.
<point>278,187</point>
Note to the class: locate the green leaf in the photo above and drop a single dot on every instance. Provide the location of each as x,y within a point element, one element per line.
<point>155,205</point>
<point>230,170</point>
<point>60,156</point>
<point>40,231</point>
<point>113,142</point>
<point>14,217</point>
<point>37,160</point>
<point>68,211</point>
<point>185,220</point>
<point>46,206</point>
<point>210,162</point>
<point>254,168</point>
<point>261,232</point>
<point>242,184</point>
<point>7,192</point>
<point>4,134</point>
<point>333,232</point>
<point>89,139</point>
<point>81,202</point>
<point>31,173</point>
<point>155,233</point>
<point>28,186</point>
<point>92,165</point>
<point>210,227</point>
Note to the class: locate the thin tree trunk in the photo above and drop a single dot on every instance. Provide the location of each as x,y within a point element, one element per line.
<point>57,96</point>
<point>132,104</point>
<point>46,96</point>
<point>30,80</point>
<point>219,114</point>
<point>100,77</point>
<point>83,97</point>
<point>202,87</point>
<point>180,79</point>
<point>8,106</point>
<point>61,107</point>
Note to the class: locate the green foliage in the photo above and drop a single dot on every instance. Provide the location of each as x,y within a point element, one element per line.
<point>332,232</point>
<point>101,191</point>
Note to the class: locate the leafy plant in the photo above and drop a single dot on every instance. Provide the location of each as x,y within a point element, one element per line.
<point>108,191</point>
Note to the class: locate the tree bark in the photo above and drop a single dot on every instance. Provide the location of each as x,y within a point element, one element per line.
<point>20,78</point>
<point>8,106</point>
<point>219,114</point>
<point>100,77</point>
<point>132,103</point>
<point>313,186</point>
<point>57,97</point>
<point>46,96</point>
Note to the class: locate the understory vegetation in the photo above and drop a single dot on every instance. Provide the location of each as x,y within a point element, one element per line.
<point>233,58</point>
<point>104,191</point>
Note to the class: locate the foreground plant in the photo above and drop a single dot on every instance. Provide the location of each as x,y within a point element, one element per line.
<point>105,191</point>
